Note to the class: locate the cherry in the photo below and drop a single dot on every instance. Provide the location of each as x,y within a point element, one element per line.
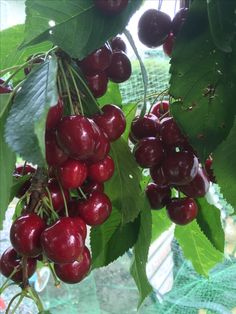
<point>56,195</point>
<point>54,154</point>
<point>198,187</point>
<point>62,242</point>
<point>145,126</point>
<point>161,109</point>
<point>5,89</point>
<point>182,210</point>
<point>102,146</point>
<point>120,68</point>
<point>168,45</point>
<point>38,60</point>
<point>170,132</point>
<point>209,170</point>
<point>158,196</point>
<point>80,224</point>
<point>75,134</point>
<point>111,121</point>
<point>10,260</point>
<point>149,152</point>
<point>25,234</point>
<point>153,28</point>
<point>111,7</point>
<point>76,271</point>
<point>97,83</point>
<point>24,170</point>
<point>72,173</point>
<point>97,61</point>
<point>180,168</point>
<point>54,115</point>
<point>178,20</point>
<point>96,209</point>
<point>91,186</point>
<point>157,175</point>
<point>101,171</point>
<point>117,43</point>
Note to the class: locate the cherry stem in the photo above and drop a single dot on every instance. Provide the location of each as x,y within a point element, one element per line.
<point>49,51</point>
<point>76,88</point>
<point>5,285</point>
<point>64,199</point>
<point>34,296</point>
<point>12,300</point>
<point>56,281</point>
<point>25,281</point>
<point>19,302</point>
<point>82,193</point>
<point>59,85</point>
<point>157,96</point>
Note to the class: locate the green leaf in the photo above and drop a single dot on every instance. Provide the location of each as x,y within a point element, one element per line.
<point>197,248</point>
<point>112,95</point>
<point>221,16</point>
<point>209,220</point>
<point>79,27</point>
<point>123,188</point>
<point>17,184</point>
<point>7,159</point>
<point>140,255</point>
<point>129,111</point>
<point>112,239</point>
<point>224,165</point>
<point>204,79</point>
<point>160,223</point>
<point>25,125</point>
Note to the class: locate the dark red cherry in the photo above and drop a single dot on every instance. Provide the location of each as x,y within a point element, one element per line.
<point>111,121</point>
<point>75,134</point>
<point>91,186</point>
<point>147,126</point>
<point>25,234</point>
<point>62,242</point>
<point>153,28</point>
<point>180,168</point>
<point>54,154</point>
<point>170,132</point>
<point>24,170</point>
<point>72,173</point>
<point>158,176</point>
<point>117,43</point>
<point>56,195</point>
<point>5,89</point>
<point>198,187</point>
<point>209,170</point>
<point>38,60</point>
<point>80,224</point>
<point>54,115</point>
<point>102,147</point>
<point>168,45</point>
<point>182,210</point>
<point>149,152</point>
<point>97,61</point>
<point>161,109</point>
<point>101,171</point>
<point>97,83</point>
<point>178,20</point>
<point>10,260</point>
<point>96,209</point>
<point>76,271</point>
<point>111,7</point>
<point>157,196</point>
<point>120,68</point>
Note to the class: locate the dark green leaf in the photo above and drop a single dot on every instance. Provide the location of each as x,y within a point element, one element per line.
<point>129,111</point>
<point>204,79</point>
<point>26,122</point>
<point>140,255</point>
<point>224,165</point>
<point>17,184</point>
<point>160,223</point>
<point>112,95</point>
<point>197,248</point>
<point>7,159</point>
<point>209,220</point>
<point>112,239</point>
<point>79,27</point>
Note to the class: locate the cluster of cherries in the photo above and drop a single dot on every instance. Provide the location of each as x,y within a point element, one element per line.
<point>155,28</point>
<point>109,62</point>
<point>161,147</point>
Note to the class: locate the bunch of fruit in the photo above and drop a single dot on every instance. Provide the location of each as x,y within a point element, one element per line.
<point>161,147</point>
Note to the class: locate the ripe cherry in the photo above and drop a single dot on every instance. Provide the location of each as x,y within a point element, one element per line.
<point>54,115</point>
<point>102,146</point>
<point>111,121</point>
<point>168,45</point>
<point>153,28</point>
<point>147,126</point>
<point>120,68</point>
<point>149,152</point>
<point>160,109</point>
<point>182,210</point>
<point>101,171</point>
<point>54,154</point>
<point>81,225</point>
<point>91,186</point>
<point>61,242</point>
<point>72,173</point>
<point>76,271</point>
<point>198,187</point>
<point>170,132</point>
<point>10,260</point>
<point>111,7</point>
<point>97,83</point>
<point>24,170</point>
<point>96,209</point>
<point>117,43</point>
<point>56,195</point>
<point>158,196</point>
<point>4,89</point>
<point>178,20</point>
<point>97,61</point>
<point>157,175</point>
<point>25,234</point>
<point>180,168</point>
<point>209,170</point>
<point>75,134</point>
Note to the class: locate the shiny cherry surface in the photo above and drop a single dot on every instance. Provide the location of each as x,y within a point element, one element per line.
<point>182,210</point>
<point>145,126</point>
<point>161,109</point>
<point>102,146</point>
<point>56,195</point>
<point>91,186</point>
<point>101,171</point>
<point>168,45</point>
<point>72,173</point>
<point>157,175</point>
<point>55,156</point>
<point>158,196</point>
<point>120,68</point>
<point>170,132</point>
<point>117,43</point>
<point>97,83</point>
<point>54,115</point>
